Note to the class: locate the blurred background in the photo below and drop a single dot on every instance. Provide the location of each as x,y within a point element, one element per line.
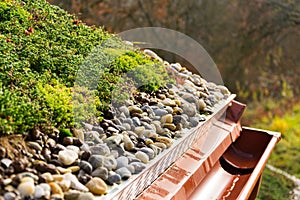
<point>256,46</point>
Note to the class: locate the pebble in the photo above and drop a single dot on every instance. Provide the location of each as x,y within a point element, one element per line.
<point>100,149</point>
<point>34,145</point>
<point>65,185</point>
<point>26,188</point>
<point>96,161</point>
<point>148,151</point>
<point>201,105</point>
<point>100,172</point>
<point>138,166</point>
<point>160,112</point>
<point>189,109</point>
<point>142,156</point>
<point>124,173</point>
<point>73,148</point>
<point>135,109</point>
<point>114,178</point>
<point>122,161</point>
<point>67,141</point>
<point>85,196</point>
<point>168,102</point>
<point>97,186</point>
<point>170,126</point>
<point>74,169</point>
<point>67,157</point>
<point>124,110</point>
<point>72,195</point>
<point>75,184</point>
<point>42,166</point>
<point>110,163</point>
<point>56,189</point>
<point>10,196</point>
<point>128,144</point>
<point>5,162</point>
<point>166,119</point>
<point>86,166</point>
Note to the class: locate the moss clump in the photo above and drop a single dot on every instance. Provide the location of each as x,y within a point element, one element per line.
<point>42,50</point>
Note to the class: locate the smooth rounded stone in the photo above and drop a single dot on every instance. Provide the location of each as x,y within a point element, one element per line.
<point>85,155</point>
<point>112,129</point>
<point>114,153</point>
<point>96,161</point>
<point>97,186</point>
<point>161,96</point>
<point>56,189</point>
<point>147,126</point>
<point>135,109</point>
<point>19,165</point>
<point>86,166</point>
<point>124,173</point>
<point>177,111</point>
<point>126,126</point>
<point>110,163</point>
<point>161,145</point>
<point>74,168</point>
<point>42,166</point>
<point>67,141</point>
<point>148,151</point>
<point>166,119</point>
<point>136,121</point>
<point>47,176</point>
<point>178,134</point>
<point>63,170</point>
<point>158,126</point>
<point>142,156</point>
<point>170,126</point>
<point>189,97</point>
<point>10,196</point>
<point>72,195</point>
<point>139,130</point>
<point>47,189</point>
<point>114,178</point>
<point>98,129</point>
<point>56,197</point>
<point>194,121</point>
<point>122,161</point>
<point>223,89</point>
<point>26,188</point>
<point>87,126</point>
<point>73,148</point>
<point>138,166</point>
<point>115,139</point>
<point>219,96</point>
<point>85,196</point>
<point>189,109</point>
<point>100,172</point>
<point>125,110</point>
<point>65,185</point>
<point>75,184</point>
<point>34,145</point>
<point>160,112</point>
<point>2,152</point>
<point>168,102</point>
<point>100,149</point>
<point>148,141</point>
<point>58,177</point>
<point>93,136</point>
<point>5,162</point>
<point>128,144</point>
<point>67,157</point>
<point>201,105</point>
<point>167,141</point>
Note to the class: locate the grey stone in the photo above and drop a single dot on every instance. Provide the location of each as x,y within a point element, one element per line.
<point>122,161</point>
<point>9,196</point>
<point>148,151</point>
<point>110,163</point>
<point>100,149</point>
<point>86,166</point>
<point>138,166</point>
<point>96,161</point>
<point>124,173</point>
<point>160,112</point>
<point>114,178</point>
<point>124,110</point>
<point>136,121</point>
<point>100,172</point>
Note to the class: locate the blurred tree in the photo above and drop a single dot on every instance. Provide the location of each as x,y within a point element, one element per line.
<point>255,43</point>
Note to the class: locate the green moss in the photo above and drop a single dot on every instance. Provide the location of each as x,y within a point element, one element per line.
<point>44,52</point>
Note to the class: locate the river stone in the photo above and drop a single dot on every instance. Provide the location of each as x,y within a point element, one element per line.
<point>128,144</point>
<point>223,89</point>
<point>67,141</point>
<point>56,189</point>
<point>136,121</point>
<point>34,145</point>
<point>189,109</point>
<point>201,105</point>
<point>168,102</point>
<point>125,110</point>
<point>42,166</point>
<point>114,178</point>
<point>100,149</point>
<point>85,196</point>
<point>5,162</point>
<point>10,196</point>
<point>39,192</point>
<point>86,166</point>
<point>170,126</point>
<point>100,172</point>
<point>73,148</point>
<point>98,129</point>
<point>138,166</point>
<point>96,161</point>
<point>72,195</point>
<point>67,157</point>
<point>148,151</point>
<point>122,161</point>
<point>75,184</point>
<point>124,173</point>
<point>110,163</point>
<point>142,156</point>
<point>97,186</point>
<point>160,112</point>
<point>26,188</point>
<point>189,97</point>
<point>166,119</point>
<point>135,109</point>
